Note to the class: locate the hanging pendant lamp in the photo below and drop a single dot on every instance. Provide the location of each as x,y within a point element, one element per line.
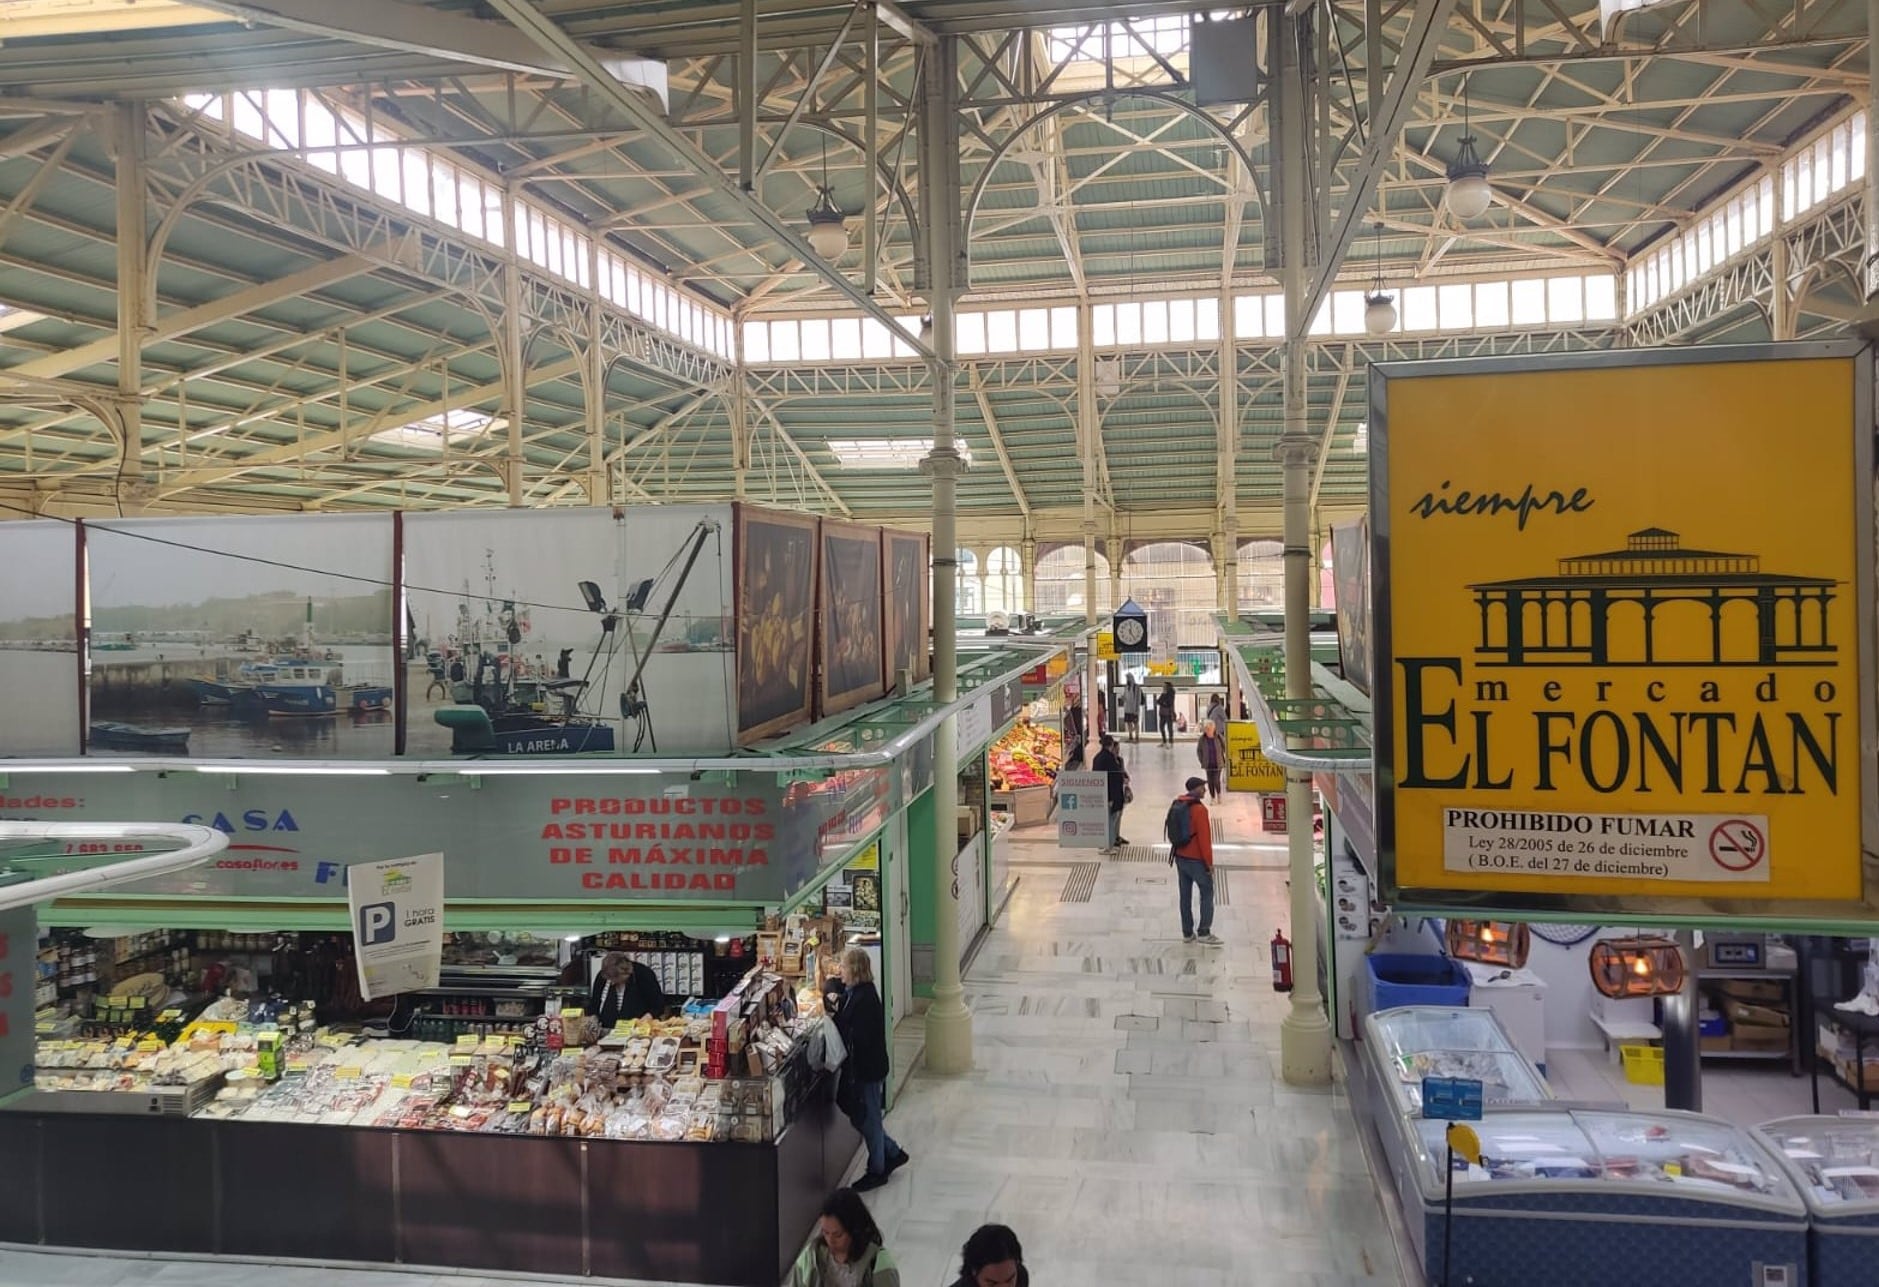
<point>1469,194</point>
<point>1379,307</point>
<point>1638,966</point>
<point>828,226</point>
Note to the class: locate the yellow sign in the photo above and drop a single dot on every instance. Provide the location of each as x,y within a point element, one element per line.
<point>1624,609</point>
<point>1247,767</point>
<point>1106,645</point>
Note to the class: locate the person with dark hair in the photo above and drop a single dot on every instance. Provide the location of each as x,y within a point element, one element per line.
<point>1190,835</point>
<point>1164,713</point>
<point>992,1258</point>
<point>849,1251</point>
<point>1109,761</point>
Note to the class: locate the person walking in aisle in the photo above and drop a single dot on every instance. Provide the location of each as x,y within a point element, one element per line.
<point>1132,709</point>
<point>1164,713</point>
<point>862,1021</point>
<point>849,1250</point>
<point>1217,712</point>
<point>1213,756</point>
<point>992,1258</point>
<point>1190,833</point>
<point>1109,761</point>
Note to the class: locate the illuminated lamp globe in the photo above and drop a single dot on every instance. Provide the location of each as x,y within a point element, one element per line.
<point>828,227</point>
<point>1379,314</point>
<point>1469,194</point>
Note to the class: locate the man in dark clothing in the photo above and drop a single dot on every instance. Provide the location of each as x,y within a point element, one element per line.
<point>1192,857</point>
<point>1109,761</point>
<point>624,989</point>
<point>1164,712</point>
<point>1075,729</point>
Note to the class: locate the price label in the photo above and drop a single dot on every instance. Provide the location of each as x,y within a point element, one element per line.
<point>349,1073</point>
<point>467,1039</point>
<point>401,1081</point>
<point>520,1106</point>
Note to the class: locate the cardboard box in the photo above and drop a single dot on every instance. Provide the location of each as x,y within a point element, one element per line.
<point>968,822</point>
<point>1759,1040</point>
<point>1722,1042</point>
<point>1755,1016</point>
<point>1750,991</point>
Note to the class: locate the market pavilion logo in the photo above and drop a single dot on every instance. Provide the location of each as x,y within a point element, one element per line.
<point>1655,603</point>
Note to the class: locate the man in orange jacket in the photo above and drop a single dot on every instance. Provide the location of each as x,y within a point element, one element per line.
<point>1191,852</point>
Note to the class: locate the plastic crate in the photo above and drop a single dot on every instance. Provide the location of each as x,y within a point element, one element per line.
<point>1399,979</point>
<point>1644,1065</point>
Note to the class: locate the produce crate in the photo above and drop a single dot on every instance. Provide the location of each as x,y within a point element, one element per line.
<point>1644,1065</point>
<point>1028,806</point>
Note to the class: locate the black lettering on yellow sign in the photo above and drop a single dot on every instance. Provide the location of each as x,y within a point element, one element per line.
<point>1615,747</point>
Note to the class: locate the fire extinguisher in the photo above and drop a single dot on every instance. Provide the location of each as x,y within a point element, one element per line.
<point>1281,962</point>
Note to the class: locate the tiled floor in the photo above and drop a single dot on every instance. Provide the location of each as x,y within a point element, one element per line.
<point>1126,1114</point>
<point>1747,1094</point>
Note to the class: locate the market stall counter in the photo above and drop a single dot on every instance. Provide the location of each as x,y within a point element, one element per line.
<point>690,1149</point>
<point>1834,1162</point>
<point>1562,1198</point>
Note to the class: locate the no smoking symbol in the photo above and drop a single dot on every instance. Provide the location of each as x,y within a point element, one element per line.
<point>1737,845</point>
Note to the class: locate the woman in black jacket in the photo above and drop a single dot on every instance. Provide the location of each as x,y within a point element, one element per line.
<point>862,1021</point>
<point>1109,761</point>
<point>993,1258</point>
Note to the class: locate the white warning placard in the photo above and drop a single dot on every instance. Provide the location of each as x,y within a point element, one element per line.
<point>1634,846</point>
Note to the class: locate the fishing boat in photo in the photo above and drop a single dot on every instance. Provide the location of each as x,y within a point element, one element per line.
<point>112,736</point>
<point>297,689</point>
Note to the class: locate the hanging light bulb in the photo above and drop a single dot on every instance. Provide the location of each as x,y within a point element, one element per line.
<point>1469,194</point>
<point>828,226</point>
<point>1379,307</point>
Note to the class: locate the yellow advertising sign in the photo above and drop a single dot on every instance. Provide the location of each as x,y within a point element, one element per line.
<point>1622,627</point>
<point>1247,767</point>
<point>1106,646</point>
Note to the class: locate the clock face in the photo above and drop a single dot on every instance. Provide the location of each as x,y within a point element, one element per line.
<point>1130,632</point>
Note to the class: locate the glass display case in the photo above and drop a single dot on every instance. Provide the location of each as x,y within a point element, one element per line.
<point>1608,1196</point>
<point>1834,1161</point>
<point>1410,1043</point>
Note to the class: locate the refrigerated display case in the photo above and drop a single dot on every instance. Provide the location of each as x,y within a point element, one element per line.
<point>1563,1197</point>
<point>1409,1043</point>
<point>1834,1162</point>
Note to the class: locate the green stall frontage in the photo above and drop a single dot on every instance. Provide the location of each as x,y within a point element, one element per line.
<point>210,1021</point>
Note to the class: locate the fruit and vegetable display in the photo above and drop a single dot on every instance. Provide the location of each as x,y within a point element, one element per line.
<point>1027,756</point>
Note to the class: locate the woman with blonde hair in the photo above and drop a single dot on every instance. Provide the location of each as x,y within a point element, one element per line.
<point>862,1021</point>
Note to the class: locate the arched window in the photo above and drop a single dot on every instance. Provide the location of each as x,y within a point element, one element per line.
<point>1175,582</point>
<point>1004,581</point>
<point>1262,575</point>
<point>1060,583</point>
<point>968,583</point>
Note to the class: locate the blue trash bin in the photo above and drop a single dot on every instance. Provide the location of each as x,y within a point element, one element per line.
<point>1398,979</point>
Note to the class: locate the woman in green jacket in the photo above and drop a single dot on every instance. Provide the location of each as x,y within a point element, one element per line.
<point>848,1251</point>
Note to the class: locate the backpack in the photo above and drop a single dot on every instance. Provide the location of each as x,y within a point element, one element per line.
<point>1179,827</point>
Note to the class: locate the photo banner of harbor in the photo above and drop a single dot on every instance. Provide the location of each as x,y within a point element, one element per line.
<point>529,626</point>
<point>242,637</point>
<point>39,670</point>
